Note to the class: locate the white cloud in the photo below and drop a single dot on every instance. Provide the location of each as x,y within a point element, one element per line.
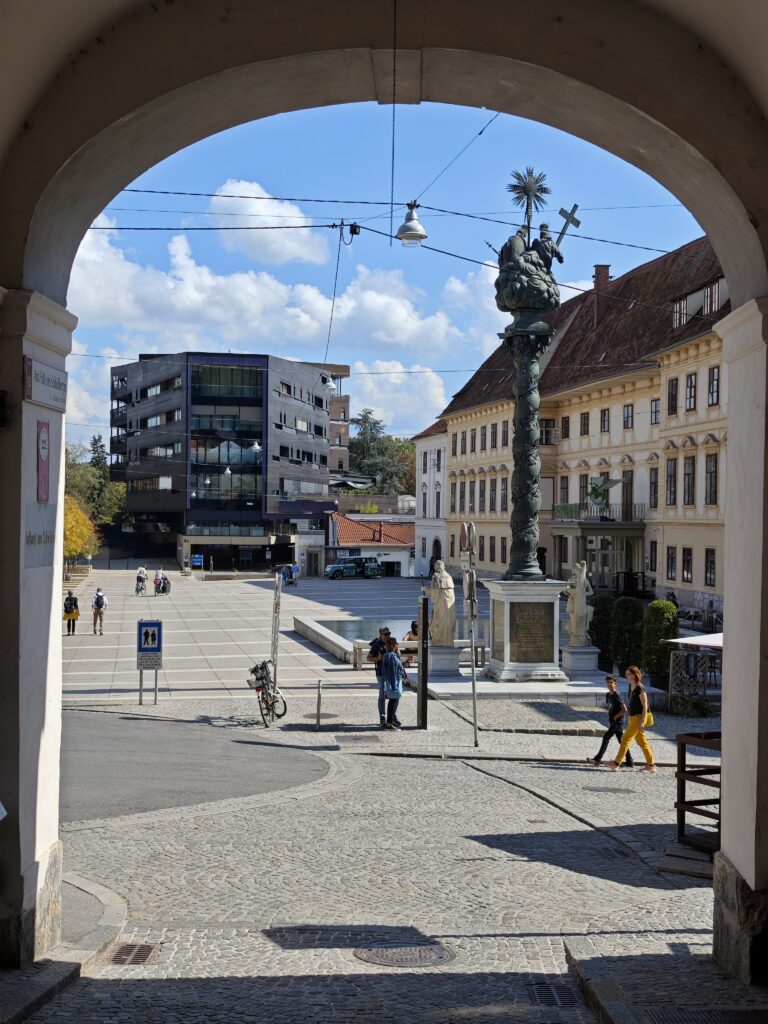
<point>571,288</point>
<point>267,245</point>
<point>475,294</point>
<point>406,398</point>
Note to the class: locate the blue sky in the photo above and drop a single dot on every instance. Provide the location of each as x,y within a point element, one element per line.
<point>412,324</point>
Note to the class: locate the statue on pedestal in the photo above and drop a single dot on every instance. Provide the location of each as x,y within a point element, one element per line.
<point>442,625</point>
<point>579,611</point>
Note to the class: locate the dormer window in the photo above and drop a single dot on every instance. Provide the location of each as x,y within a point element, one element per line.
<point>711,298</point>
<point>679,312</point>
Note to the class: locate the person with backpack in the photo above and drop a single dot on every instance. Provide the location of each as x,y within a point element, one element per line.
<point>71,612</point>
<point>99,605</point>
<point>378,648</point>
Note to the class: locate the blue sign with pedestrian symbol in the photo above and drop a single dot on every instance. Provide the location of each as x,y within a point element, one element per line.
<point>149,644</point>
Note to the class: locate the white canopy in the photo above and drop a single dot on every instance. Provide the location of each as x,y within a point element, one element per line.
<point>714,640</point>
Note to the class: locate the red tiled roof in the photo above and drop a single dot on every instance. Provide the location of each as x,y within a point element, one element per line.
<point>438,427</point>
<point>634,323</point>
<point>350,532</point>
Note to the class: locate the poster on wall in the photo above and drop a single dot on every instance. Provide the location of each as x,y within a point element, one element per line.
<point>43,460</point>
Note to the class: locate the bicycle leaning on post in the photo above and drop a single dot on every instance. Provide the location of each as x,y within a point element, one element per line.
<point>271,700</point>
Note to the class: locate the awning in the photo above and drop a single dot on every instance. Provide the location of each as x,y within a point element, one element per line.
<point>714,640</point>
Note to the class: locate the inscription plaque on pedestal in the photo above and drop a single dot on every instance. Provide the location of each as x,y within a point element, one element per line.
<point>531,632</point>
<point>497,630</point>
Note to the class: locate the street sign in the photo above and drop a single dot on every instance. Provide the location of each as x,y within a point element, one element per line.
<point>149,644</point>
<point>464,561</point>
<point>196,561</point>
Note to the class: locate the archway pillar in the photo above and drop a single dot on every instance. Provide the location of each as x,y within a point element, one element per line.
<point>32,328</point>
<point>741,868</point>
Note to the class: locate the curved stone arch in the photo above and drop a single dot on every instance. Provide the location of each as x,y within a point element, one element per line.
<point>100,124</point>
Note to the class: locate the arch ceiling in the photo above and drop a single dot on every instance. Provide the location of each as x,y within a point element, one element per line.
<point>101,92</point>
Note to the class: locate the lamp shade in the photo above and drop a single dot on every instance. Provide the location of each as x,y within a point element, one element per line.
<point>411,232</point>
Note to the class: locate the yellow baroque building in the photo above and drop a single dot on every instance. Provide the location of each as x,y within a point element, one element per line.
<point>633,437</point>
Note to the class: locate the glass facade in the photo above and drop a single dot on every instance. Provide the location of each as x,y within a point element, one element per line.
<point>231,381</point>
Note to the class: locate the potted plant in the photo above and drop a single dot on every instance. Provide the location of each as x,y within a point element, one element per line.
<point>660,624</point>
<point>627,632</point>
<point>600,629</point>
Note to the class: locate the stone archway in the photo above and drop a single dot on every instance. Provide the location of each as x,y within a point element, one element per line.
<point>90,123</point>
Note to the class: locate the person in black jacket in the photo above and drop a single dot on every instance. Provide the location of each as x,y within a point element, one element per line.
<point>71,612</point>
<point>617,709</point>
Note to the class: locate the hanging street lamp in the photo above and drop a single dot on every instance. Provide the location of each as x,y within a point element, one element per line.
<point>411,231</point>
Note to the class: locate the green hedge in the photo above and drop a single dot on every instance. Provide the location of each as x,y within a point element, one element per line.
<point>602,620</point>
<point>660,623</point>
<point>627,632</point>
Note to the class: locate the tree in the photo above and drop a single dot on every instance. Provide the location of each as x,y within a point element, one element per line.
<point>80,534</point>
<point>80,477</point>
<point>98,450</point>
<point>391,460</point>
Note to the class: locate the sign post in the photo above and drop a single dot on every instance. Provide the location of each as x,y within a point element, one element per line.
<point>276,624</point>
<point>149,651</point>
<point>423,671</point>
<point>467,544</point>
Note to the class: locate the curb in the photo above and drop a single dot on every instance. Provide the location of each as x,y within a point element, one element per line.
<point>65,963</point>
<point>603,995</point>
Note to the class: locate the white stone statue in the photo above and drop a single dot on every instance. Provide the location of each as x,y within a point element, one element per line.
<point>442,625</point>
<point>580,613</point>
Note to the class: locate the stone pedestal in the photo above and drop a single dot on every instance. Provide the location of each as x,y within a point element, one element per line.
<point>740,939</point>
<point>580,661</point>
<point>444,662</point>
<point>525,630</point>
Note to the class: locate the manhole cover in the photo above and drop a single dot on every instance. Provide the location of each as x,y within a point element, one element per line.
<point>724,1016</point>
<point>356,738</point>
<point>405,954</point>
<point>553,994</point>
<point>134,953</point>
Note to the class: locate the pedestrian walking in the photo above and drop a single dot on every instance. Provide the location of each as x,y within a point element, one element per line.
<point>71,612</point>
<point>376,652</point>
<point>285,572</point>
<point>640,717</point>
<point>617,709</point>
<point>295,574</point>
<point>393,674</point>
<point>99,605</point>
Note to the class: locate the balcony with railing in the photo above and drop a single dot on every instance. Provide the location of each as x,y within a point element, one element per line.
<point>594,512</point>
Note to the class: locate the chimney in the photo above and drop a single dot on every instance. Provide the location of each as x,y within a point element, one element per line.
<point>602,281</point>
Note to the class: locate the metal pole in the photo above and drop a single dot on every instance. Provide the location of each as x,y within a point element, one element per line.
<point>141,686</point>
<point>473,605</point>
<point>155,686</point>
<point>422,713</point>
<point>319,700</point>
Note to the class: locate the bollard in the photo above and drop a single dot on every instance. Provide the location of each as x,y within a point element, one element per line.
<point>319,701</point>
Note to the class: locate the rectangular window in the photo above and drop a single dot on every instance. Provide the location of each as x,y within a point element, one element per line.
<point>481,495</point>
<point>652,556</point>
<point>483,438</point>
<point>481,548</point>
<point>439,459</point>
<point>653,487</point>
<point>629,416</point>
<point>584,424</point>
<point>463,446</point>
<point>564,480</point>
<point>437,503</point>
<point>492,495</point>
<point>491,549</point>
<point>152,390</point>
<point>711,298</point>
<point>686,567</point>
<point>302,425</point>
<point>689,480</point>
<point>671,498</point>
<point>453,545</point>
<point>494,435</point>
<point>154,421</point>
<point>671,563</point>
<point>473,440</point>
<point>690,392</point>
<point>423,547</point>
<point>462,496</point>
<point>471,495</point>
<point>504,433</point>
<point>453,496</point>
<point>583,488</point>
<point>710,479</point>
<point>672,396</point>
<point>605,421</point>
<point>713,385</point>
<point>424,505</point>
<point>679,312</point>
<point>655,410</point>
<point>424,462</point>
<point>503,553</point>
<point>709,567</point>
<point>547,434</point>
<point>504,500</point>
<point>454,442</point>
<point>565,427</point>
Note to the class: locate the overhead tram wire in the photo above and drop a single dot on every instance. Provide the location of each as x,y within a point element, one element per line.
<point>460,153</point>
<point>394,109</point>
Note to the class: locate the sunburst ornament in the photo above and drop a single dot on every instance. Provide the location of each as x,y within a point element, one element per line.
<point>529,190</point>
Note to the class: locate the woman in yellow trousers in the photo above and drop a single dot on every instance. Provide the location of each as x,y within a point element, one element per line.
<point>638,715</point>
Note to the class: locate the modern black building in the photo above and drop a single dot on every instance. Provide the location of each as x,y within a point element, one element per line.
<point>228,452</point>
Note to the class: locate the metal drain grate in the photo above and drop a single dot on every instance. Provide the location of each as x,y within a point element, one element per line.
<point>405,954</point>
<point>139,953</point>
<point>553,994</point>
<point>608,789</point>
<point>357,738</point>
<point>724,1016</point>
